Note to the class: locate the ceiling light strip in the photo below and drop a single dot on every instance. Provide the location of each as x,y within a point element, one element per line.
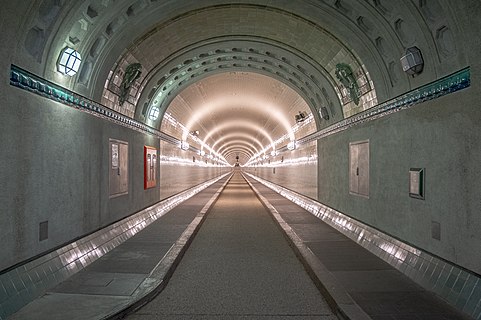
<point>291,145</point>
<point>188,134</point>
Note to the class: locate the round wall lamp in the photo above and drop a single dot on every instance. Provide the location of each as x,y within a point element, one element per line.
<point>412,62</point>
<point>154,113</point>
<point>69,61</point>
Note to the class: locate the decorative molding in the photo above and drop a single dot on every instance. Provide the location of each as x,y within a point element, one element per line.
<point>441,87</point>
<point>27,81</point>
<point>132,73</point>
<point>457,81</point>
<point>345,75</point>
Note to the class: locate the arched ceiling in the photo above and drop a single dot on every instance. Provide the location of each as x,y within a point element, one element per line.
<point>234,111</point>
<point>239,71</point>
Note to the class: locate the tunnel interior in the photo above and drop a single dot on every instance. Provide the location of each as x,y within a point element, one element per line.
<point>366,108</point>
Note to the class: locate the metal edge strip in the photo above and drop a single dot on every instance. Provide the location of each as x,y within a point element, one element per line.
<point>424,268</point>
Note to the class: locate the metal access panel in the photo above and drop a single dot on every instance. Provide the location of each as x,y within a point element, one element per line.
<point>359,168</point>
<point>118,167</point>
<point>150,167</point>
<point>416,183</point>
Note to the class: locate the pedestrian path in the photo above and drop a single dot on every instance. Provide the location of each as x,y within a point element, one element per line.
<point>238,250</point>
<point>129,274</point>
<point>239,266</point>
<point>381,291</point>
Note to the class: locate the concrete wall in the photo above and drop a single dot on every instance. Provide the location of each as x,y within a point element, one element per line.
<point>440,136</point>
<point>54,166</point>
<point>179,171</point>
<point>296,170</point>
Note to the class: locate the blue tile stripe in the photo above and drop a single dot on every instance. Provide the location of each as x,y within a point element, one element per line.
<point>28,81</point>
<point>456,285</point>
<point>441,87</point>
<point>457,81</point>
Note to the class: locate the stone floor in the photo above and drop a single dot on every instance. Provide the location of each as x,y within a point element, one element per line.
<point>236,263</point>
<point>380,290</point>
<point>122,277</point>
<point>239,266</point>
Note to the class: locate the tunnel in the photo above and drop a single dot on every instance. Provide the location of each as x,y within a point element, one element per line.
<point>218,159</point>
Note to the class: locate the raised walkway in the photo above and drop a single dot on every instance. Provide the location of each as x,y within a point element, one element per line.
<point>232,260</point>
<point>239,266</point>
<point>351,277</point>
<point>130,274</point>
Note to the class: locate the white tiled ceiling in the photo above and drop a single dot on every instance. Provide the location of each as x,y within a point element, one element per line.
<point>238,108</point>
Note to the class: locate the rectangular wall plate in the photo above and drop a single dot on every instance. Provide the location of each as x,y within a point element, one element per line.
<point>416,183</point>
<point>43,231</point>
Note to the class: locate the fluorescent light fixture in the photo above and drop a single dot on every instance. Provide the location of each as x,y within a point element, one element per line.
<point>184,145</point>
<point>291,145</point>
<point>69,61</point>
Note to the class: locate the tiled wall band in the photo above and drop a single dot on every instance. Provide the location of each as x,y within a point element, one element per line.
<point>436,89</point>
<point>459,287</point>
<point>457,81</point>
<point>21,285</point>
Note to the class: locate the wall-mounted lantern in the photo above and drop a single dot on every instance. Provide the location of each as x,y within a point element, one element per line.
<point>184,145</point>
<point>324,113</point>
<point>69,61</point>
<point>412,62</point>
<point>291,145</point>
<point>154,113</point>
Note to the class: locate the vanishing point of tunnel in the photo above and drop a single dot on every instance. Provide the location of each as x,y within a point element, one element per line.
<point>247,159</point>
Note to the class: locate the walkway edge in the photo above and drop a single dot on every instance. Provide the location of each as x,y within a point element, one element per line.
<point>162,272</point>
<point>336,295</point>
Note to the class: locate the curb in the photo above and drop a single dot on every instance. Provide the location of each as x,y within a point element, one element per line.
<point>161,274</point>
<point>336,295</point>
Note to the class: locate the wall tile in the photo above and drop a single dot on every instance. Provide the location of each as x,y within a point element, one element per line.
<point>460,287</point>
